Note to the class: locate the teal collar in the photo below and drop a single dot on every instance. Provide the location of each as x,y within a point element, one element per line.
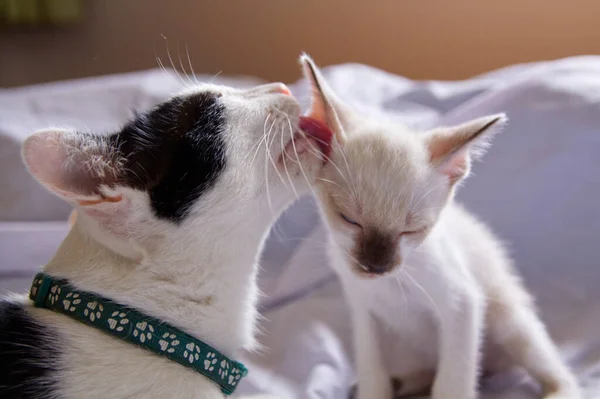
<point>136,328</point>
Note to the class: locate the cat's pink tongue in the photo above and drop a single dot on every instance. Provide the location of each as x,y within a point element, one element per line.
<point>318,131</point>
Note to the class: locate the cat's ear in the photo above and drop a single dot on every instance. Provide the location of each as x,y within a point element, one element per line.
<point>326,107</point>
<point>452,149</point>
<point>77,167</point>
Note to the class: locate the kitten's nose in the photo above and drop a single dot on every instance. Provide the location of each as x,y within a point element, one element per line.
<point>377,269</point>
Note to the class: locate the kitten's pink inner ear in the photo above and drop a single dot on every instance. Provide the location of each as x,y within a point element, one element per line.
<point>317,108</point>
<point>451,149</point>
<point>447,153</point>
<point>323,101</point>
<point>456,167</point>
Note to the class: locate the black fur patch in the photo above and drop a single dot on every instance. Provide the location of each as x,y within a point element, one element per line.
<point>27,355</point>
<point>175,152</point>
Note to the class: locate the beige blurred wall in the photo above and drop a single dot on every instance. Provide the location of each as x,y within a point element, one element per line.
<point>439,39</point>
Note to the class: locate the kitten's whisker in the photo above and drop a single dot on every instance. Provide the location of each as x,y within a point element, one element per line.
<point>422,198</point>
<point>330,161</point>
<point>331,182</point>
<point>343,189</point>
<point>341,149</point>
<point>403,290</point>
<point>363,267</point>
<point>412,279</point>
<point>321,244</point>
<point>348,168</point>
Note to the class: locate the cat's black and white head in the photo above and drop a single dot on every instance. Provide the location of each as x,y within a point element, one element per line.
<point>210,159</point>
<point>384,188</point>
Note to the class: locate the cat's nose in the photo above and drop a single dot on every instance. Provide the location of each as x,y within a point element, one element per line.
<point>271,88</point>
<point>278,88</point>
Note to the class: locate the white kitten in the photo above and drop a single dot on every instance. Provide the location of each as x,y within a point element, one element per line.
<point>414,261</point>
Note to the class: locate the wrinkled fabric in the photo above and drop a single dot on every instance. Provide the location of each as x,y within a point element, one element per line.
<point>538,187</point>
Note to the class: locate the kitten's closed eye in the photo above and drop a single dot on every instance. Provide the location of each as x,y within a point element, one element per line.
<point>350,221</point>
<point>414,232</point>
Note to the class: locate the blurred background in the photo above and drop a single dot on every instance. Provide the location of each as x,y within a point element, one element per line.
<point>48,40</point>
<point>538,186</point>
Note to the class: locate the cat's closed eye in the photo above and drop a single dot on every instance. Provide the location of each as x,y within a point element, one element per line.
<point>349,221</point>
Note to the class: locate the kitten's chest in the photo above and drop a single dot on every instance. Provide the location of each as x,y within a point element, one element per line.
<point>402,306</point>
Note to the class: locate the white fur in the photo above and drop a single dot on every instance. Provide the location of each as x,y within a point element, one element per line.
<point>450,282</point>
<point>199,276</point>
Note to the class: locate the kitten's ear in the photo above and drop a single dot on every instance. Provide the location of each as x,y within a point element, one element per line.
<point>326,107</point>
<point>452,149</point>
<point>77,167</point>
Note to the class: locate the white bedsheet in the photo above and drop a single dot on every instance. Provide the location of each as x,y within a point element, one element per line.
<point>538,187</point>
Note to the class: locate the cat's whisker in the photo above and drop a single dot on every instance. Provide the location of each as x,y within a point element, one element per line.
<point>269,200</point>
<point>170,75</point>
<point>276,228</point>
<point>262,139</point>
<point>185,84</point>
<point>268,143</point>
<point>270,156</point>
<point>283,159</point>
<point>187,52</point>
<point>256,146</point>
<point>185,73</point>
<point>298,157</point>
<point>212,80</point>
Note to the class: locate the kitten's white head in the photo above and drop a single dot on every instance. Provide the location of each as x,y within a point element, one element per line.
<point>207,162</point>
<point>384,187</point>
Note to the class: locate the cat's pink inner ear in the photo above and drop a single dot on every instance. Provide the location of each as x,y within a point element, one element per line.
<point>46,157</point>
<point>56,158</point>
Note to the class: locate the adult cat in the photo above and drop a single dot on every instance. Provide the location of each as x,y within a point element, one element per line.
<point>172,213</point>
